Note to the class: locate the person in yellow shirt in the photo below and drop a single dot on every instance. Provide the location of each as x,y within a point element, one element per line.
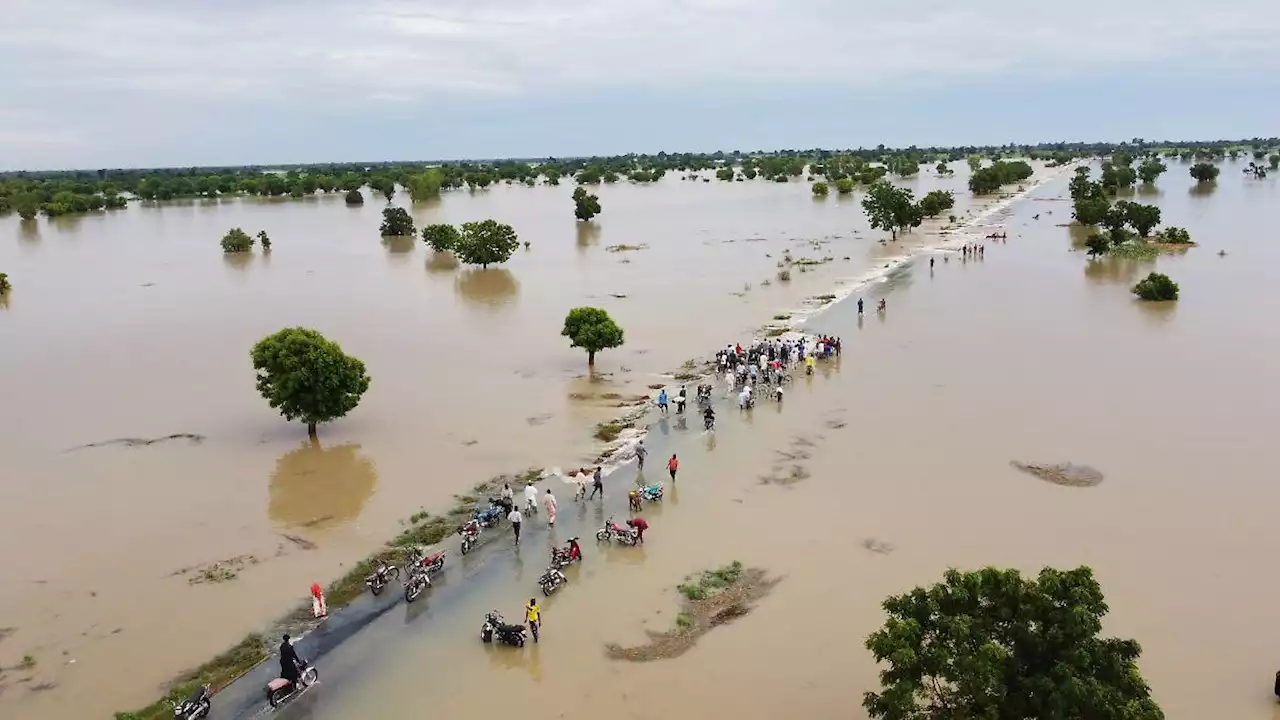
<point>808,364</point>
<point>533,615</point>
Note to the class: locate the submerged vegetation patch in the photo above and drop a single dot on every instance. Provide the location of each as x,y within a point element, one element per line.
<point>711,598</point>
<point>1068,474</point>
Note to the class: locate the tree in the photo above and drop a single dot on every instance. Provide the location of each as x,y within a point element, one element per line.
<point>725,173</point>
<point>993,644</point>
<point>485,242</point>
<point>891,208</point>
<point>1204,172</point>
<point>5,285</point>
<point>820,189</point>
<point>1151,169</point>
<point>592,330</point>
<point>425,186</point>
<point>264,241</point>
<point>975,162</point>
<point>585,205</point>
<point>1143,218</point>
<point>355,197</point>
<point>307,377</point>
<point>236,241</point>
<point>1273,161</point>
<point>844,186</point>
<point>1175,236</point>
<point>936,202</point>
<point>1098,244</point>
<point>1155,287</point>
<point>441,237</point>
<point>396,222</point>
<point>943,170</point>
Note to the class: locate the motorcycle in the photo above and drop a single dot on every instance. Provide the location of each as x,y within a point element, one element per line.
<point>563,557</point>
<point>282,690</point>
<point>495,626</point>
<point>418,581</point>
<point>507,505</point>
<point>194,707</point>
<point>552,580</point>
<point>490,516</point>
<point>530,506</point>
<point>708,422</point>
<point>470,533</point>
<point>431,564</point>
<point>381,575</point>
<point>613,531</point>
<point>651,493</point>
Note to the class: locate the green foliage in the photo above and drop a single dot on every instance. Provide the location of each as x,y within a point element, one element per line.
<point>975,163</point>
<point>396,222</point>
<point>307,377</point>
<point>750,173</point>
<point>585,204</point>
<point>425,185</point>
<point>1273,161</point>
<point>844,186</point>
<point>355,197</point>
<point>989,179</point>
<point>1204,172</point>
<point>441,237</point>
<point>709,582</point>
<point>1151,169</point>
<point>891,208</point>
<point>5,285</point>
<point>820,189</point>
<point>936,202</point>
<point>1175,236</point>
<point>993,644</point>
<point>724,173</point>
<point>485,243</point>
<point>1156,287</point>
<point>902,165</point>
<point>1098,244</point>
<point>1116,177</point>
<point>1142,218</point>
<point>264,240</point>
<point>236,241</point>
<point>592,330</point>
<point>943,170</point>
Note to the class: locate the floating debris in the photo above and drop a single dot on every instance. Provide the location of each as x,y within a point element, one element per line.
<point>1068,474</point>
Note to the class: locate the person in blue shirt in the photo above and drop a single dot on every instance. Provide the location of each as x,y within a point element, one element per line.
<point>662,401</point>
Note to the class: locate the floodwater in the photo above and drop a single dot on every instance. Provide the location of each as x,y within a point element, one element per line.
<point>1030,354</point>
<point>133,326</point>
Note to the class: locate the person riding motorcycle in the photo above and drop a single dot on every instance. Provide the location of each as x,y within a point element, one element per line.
<point>290,664</point>
<point>709,416</point>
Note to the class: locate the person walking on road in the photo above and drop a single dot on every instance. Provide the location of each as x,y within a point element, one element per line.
<point>549,501</point>
<point>531,499</point>
<point>533,616</point>
<point>597,485</point>
<point>672,466</point>
<point>641,453</point>
<point>662,401</point>
<point>516,518</point>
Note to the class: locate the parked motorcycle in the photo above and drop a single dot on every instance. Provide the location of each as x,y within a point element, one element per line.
<point>651,493</point>
<point>613,531</point>
<point>563,557</point>
<point>552,579</point>
<point>432,563</point>
<point>490,516</point>
<point>281,690</point>
<point>417,582</point>
<point>194,707</point>
<point>382,574</point>
<point>495,627</point>
<point>470,533</point>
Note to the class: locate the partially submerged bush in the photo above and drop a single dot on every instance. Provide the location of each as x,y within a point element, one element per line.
<point>1175,236</point>
<point>236,241</point>
<point>1156,286</point>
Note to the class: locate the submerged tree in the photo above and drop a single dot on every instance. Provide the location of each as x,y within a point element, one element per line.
<point>891,208</point>
<point>307,377</point>
<point>844,186</point>
<point>1098,244</point>
<point>5,285</point>
<point>1273,161</point>
<point>1142,218</point>
<point>441,237</point>
<point>943,170</point>
<point>820,189</point>
<point>936,202</point>
<point>236,241</point>
<point>1151,169</point>
<point>993,644</point>
<point>264,241</point>
<point>1204,172</point>
<point>396,222</point>
<point>1175,236</point>
<point>425,185</point>
<point>355,197</point>
<point>485,243</point>
<point>585,205</point>
<point>592,330</point>
<point>1156,287</point>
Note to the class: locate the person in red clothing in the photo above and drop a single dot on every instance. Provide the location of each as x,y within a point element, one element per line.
<point>638,524</point>
<point>672,466</point>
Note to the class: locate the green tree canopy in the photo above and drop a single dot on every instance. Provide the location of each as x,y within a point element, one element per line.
<point>396,222</point>
<point>1175,236</point>
<point>5,285</point>
<point>441,237</point>
<point>1204,172</point>
<point>890,207</point>
<point>936,202</point>
<point>1273,161</point>
<point>1151,169</point>
<point>992,644</point>
<point>425,185</point>
<point>1155,287</point>
<point>592,330</point>
<point>820,189</point>
<point>355,197</point>
<point>236,241</point>
<point>725,173</point>
<point>1142,218</point>
<point>485,243</point>
<point>844,186</point>
<point>1098,244</point>
<point>990,179</point>
<point>585,205</point>
<point>264,240</point>
<point>943,170</point>
<point>307,377</point>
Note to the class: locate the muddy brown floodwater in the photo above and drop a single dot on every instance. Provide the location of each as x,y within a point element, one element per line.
<point>1031,354</point>
<point>133,326</point>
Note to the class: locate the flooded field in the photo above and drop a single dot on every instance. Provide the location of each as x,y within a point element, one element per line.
<point>1030,355</point>
<point>125,329</point>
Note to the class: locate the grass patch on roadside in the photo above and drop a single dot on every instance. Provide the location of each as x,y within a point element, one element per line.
<point>218,673</point>
<point>710,598</point>
<point>609,431</point>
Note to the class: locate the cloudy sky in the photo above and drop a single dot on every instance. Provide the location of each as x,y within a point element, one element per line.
<point>116,83</point>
